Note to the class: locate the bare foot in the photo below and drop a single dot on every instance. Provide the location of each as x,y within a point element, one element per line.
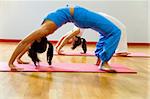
<point>122,54</point>
<point>106,67</point>
<point>21,62</point>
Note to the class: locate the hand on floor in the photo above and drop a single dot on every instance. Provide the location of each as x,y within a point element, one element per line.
<point>19,61</point>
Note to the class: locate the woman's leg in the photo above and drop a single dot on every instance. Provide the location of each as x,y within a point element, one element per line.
<point>122,48</point>
<point>105,48</point>
<point>59,42</point>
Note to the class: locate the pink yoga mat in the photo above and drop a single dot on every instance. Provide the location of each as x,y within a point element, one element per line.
<point>132,54</point>
<point>64,67</point>
<point>138,54</point>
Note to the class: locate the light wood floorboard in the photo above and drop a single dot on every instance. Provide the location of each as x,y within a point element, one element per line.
<point>47,85</point>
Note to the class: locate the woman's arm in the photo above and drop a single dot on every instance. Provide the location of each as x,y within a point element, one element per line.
<point>47,28</point>
<point>62,38</point>
<point>66,39</point>
<point>58,43</point>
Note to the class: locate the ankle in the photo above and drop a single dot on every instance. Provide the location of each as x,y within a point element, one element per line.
<point>103,63</point>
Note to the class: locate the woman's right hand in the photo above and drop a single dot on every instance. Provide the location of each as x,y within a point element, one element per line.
<point>19,61</point>
<point>59,51</point>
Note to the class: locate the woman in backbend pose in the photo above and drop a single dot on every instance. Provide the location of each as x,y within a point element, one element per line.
<point>122,49</point>
<point>76,41</point>
<point>83,18</point>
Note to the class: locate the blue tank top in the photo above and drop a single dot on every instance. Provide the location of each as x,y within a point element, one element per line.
<point>82,18</point>
<point>60,16</point>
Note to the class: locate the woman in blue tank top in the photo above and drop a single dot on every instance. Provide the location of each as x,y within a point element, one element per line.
<point>83,18</point>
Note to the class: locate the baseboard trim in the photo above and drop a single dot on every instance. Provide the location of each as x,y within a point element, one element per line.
<point>10,40</point>
<point>138,44</point>
<point>54,42</point>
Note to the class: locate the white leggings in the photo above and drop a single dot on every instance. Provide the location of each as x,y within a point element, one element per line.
<point>122,46</point>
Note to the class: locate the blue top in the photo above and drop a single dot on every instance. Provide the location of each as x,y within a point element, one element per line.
<point>82,18</point>
<point>60,16</point>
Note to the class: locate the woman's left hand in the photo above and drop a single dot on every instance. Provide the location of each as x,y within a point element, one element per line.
<point>14,68</point>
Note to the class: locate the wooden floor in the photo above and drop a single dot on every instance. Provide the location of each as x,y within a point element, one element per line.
<point>47,85</point>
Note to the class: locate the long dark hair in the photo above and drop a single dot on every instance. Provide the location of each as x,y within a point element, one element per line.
<point>79,41</point>
<point>40,47</point>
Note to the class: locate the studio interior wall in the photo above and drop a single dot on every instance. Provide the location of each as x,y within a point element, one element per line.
<point>21,17</point>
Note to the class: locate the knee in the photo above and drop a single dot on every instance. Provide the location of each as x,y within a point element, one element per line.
<point>119,31</point>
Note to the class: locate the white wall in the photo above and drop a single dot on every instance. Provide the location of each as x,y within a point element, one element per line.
<point>18,18</point>
<point>149,20</point>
